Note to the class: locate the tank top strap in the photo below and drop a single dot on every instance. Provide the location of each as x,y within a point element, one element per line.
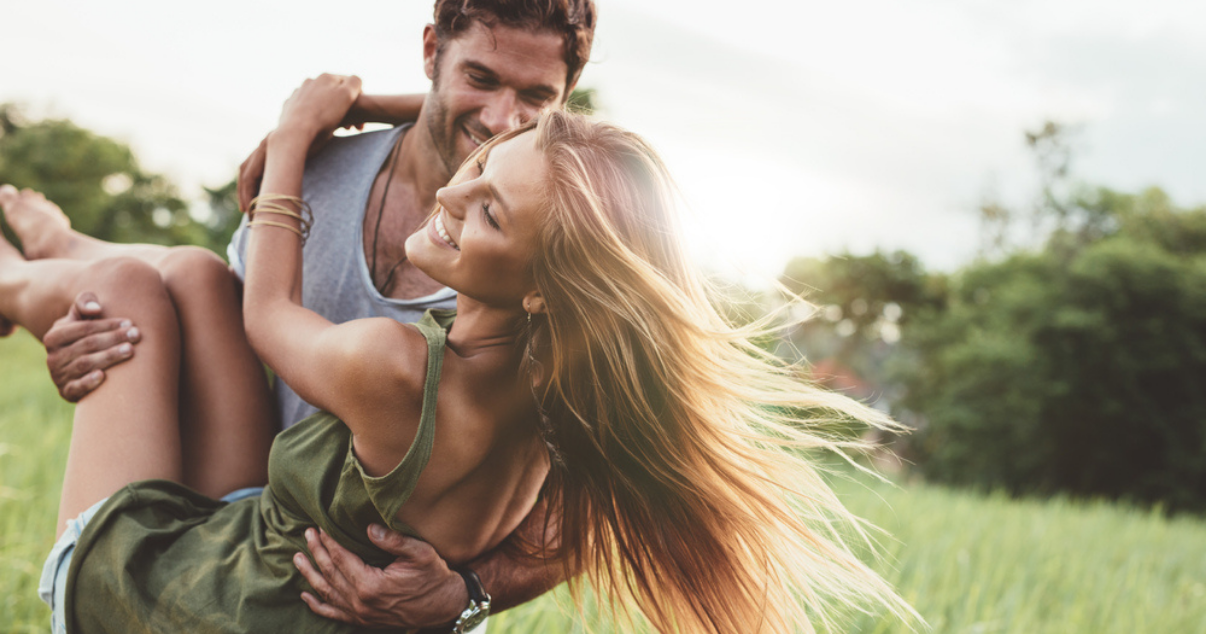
<point>390,492</point>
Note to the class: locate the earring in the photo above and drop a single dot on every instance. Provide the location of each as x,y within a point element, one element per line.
<point>529,319</point>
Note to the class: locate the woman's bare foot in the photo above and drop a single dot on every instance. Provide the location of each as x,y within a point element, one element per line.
<point>41,226</point>
<point>45,232</point>
<point>9,255</point>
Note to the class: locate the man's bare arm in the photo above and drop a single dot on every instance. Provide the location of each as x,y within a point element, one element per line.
<point>391,109</point>
<point>419,590</point>
<point>513,577</point>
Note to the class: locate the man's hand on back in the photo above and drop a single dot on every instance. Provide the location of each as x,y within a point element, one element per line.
<point>417,590</point>
<point>82,345</point>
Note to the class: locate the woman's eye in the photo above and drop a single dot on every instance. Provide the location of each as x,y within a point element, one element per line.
<point>489,217</point>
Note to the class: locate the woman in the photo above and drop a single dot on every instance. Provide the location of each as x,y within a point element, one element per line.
<point>585,365</point>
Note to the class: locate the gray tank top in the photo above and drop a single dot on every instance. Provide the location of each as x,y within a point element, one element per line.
<point>335,277</point>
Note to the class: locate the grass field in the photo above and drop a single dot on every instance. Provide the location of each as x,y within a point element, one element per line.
<point>970,564</point>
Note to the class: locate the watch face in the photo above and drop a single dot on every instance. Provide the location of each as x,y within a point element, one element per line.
<point>472,617</point>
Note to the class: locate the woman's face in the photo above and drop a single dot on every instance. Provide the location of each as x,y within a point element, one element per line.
<point>482,237</point>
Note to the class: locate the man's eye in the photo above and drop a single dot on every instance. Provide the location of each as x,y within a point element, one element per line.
<point>489,217</point>
<point>537,100</point>
<point>481,80</point>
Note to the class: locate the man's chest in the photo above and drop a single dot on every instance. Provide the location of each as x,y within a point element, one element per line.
<point>391,215</point>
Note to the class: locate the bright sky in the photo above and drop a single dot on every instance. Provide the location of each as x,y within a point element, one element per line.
<point>793,128</point>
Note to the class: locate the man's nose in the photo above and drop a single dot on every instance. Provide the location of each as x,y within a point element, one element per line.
<point>503,112</point>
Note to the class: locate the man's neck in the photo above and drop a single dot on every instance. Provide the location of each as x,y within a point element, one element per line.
<point>410,197</point>
<point>420,165</point>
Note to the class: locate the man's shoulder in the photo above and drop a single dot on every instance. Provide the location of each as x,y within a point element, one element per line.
<point>347,164</point>
<point>357,147</point>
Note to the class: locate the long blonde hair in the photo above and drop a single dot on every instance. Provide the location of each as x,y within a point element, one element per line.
<point>682,486</point>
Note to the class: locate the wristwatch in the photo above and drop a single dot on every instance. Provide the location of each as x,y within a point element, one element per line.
<point>479,603</point>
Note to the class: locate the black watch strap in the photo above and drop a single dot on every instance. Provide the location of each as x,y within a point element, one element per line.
<point>473,583</point>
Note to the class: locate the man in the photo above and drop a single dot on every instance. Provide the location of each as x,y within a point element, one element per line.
<point>494,64</point>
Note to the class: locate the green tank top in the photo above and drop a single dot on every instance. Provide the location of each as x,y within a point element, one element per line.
<point>160,557</point>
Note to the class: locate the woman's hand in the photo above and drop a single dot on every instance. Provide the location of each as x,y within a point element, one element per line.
<point>319,106</point>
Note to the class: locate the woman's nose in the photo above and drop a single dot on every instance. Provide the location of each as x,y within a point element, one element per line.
<point>452,200</point>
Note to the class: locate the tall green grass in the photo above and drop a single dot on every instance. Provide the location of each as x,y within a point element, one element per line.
<point>970,564</point>
<point>35,426</point>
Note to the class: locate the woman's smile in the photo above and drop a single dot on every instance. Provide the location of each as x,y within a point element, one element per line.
<point>439,233</point>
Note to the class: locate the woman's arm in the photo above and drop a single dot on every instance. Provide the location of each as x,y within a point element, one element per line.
<point>347,369</point>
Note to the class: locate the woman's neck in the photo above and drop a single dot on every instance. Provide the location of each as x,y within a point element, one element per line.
<point>480,328</point>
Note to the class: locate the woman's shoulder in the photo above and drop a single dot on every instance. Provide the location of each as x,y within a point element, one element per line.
<point>387,350</point>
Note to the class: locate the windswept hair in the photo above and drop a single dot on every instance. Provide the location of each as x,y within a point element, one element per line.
<point>682,485</point>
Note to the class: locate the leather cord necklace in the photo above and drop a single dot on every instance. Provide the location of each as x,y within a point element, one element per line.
<point>389,179</point>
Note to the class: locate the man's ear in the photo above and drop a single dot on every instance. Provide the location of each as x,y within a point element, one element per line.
<point>431,43</point>
<point>533,303</point>
<point>569,90</point>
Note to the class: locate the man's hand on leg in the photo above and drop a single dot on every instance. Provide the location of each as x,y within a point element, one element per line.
<point>82,345</point>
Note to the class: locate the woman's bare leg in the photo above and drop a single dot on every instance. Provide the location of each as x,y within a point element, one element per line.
<point>226,410</point>
<point>127,431</point>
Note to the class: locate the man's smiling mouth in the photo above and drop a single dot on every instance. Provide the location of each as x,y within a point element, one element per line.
<point>477,141</point>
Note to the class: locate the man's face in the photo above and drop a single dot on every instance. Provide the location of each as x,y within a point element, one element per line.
<point>489,80</point>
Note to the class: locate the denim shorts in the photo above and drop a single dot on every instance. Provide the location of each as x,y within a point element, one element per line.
<point>52,588</point>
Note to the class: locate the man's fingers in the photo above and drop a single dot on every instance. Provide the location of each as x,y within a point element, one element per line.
<point>86,306</point>
<point>328,611</point>
<point>331,573</point>
<point>75,390</point>
<point>88,363</point>
<point>66,332</point>
<point>313,576</point>
<point>78,352</point>
<point>398,544</point>
<point>250,174</point>
<point>109,339</point>
<point>350,566</point>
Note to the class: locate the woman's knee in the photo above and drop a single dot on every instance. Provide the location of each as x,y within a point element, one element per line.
<point>125,283</point>
<point>194,271</point>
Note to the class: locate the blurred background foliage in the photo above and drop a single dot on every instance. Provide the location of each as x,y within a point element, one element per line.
<point>1068,358</point>
<point>102,188</point>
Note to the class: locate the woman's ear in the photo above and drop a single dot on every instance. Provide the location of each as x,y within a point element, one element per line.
<point>533,303</point>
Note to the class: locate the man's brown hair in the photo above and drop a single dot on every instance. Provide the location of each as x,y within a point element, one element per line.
<point>573,20</point>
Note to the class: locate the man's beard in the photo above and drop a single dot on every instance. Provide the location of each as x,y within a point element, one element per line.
<point>443,137</point>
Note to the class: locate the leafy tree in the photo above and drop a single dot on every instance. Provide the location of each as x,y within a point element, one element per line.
<point>864,302</point>
<point>1077,368</point>
<point>98,183</point>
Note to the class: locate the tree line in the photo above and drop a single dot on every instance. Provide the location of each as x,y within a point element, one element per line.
<point>1077,366</point>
